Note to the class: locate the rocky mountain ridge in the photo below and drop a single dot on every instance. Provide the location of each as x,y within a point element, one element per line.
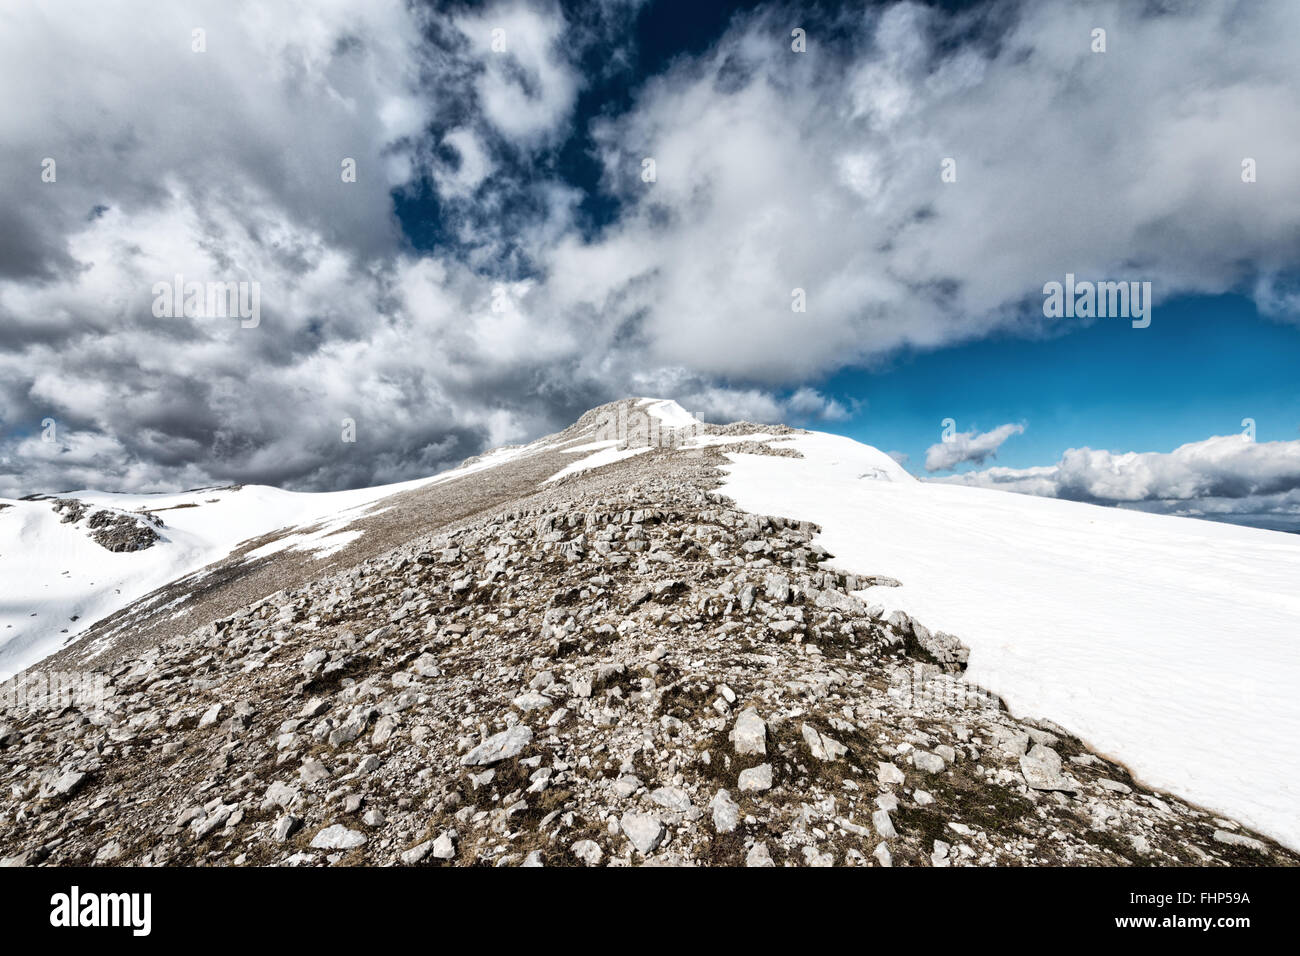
<point>617,668</point>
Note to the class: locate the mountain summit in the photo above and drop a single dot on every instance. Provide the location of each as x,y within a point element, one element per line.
<point>643,639</point>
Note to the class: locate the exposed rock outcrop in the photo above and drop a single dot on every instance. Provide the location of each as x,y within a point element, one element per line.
<point>112,530</point>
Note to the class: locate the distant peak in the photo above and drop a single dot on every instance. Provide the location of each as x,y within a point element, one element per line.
<point>666,413</point>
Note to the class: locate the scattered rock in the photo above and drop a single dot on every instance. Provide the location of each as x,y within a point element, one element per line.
<point>644,830</point>
<point>532,701</point>
<point>337,837</point>
<point>285,827</point>
<point>927,762</point>
<point>1042,770</point>
<point>756,778</point>
<point>68,784</point>
<point>498,747</point>
<point>417,853</point>
<point>588,851</point>
<point>1237,839</point>
<point>444,847</point>
<point>281,795</point>
<point>884,826</point>
<point>726,812</point>
<point>672,798</point>
<point>759,855</point>
<point>888,775</point>
<point>750,733</point>
<point>823,747</point>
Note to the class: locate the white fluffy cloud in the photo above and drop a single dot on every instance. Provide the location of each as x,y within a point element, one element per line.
<point>962,447</point>
<point>473,164</point>
<point>526,86</point>
<point>779,171</point>
<point>1223,476</point>
<point>808,403</point>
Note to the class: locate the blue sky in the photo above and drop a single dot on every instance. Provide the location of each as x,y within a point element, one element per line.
<point>1203,365</point>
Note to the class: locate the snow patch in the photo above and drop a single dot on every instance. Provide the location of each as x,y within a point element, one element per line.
<point>1170,644</point>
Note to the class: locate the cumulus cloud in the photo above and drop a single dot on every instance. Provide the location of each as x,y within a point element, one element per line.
<point>472,164</point>
<point>1224,476</point>
<point>975,447</point>
<point>526,86</point>
<point>775,172</point>
<point>821,172</point>
<point>808,404</point>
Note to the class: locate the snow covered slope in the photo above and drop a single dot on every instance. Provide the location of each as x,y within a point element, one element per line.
<point>1170,644</point>
<point>55,581</point>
